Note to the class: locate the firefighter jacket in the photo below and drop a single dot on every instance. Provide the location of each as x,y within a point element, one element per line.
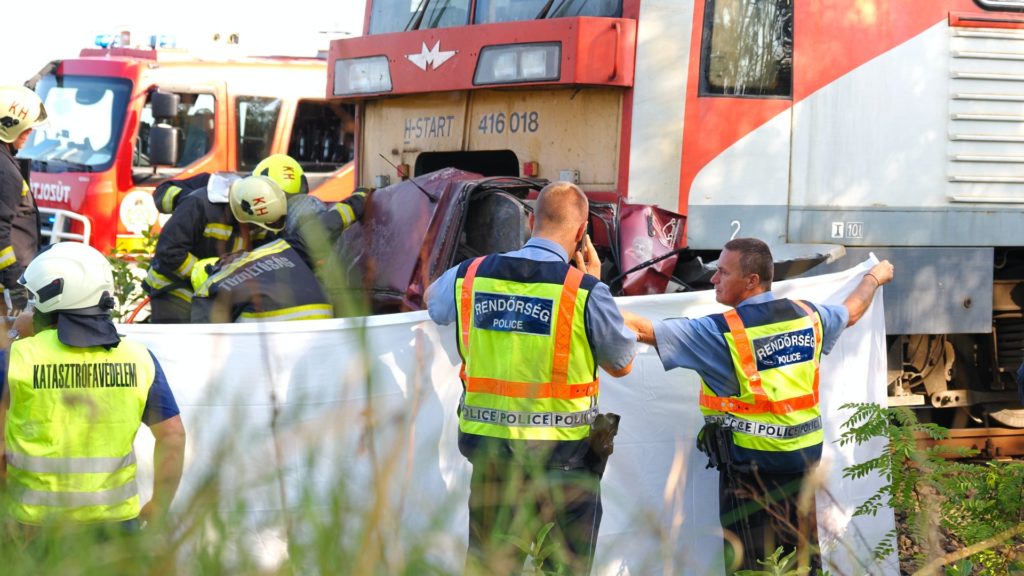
<point>528,370</point>
<point>70,428</point>
<point>775,419</point>
<point>270,283</point>
<point>344,213</point>
<point>198,229</point>
<point>169,195</point>
<point>19,220</point>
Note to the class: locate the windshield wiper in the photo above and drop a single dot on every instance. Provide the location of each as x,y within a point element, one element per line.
<point>547,9</point>
<point>417,16</point>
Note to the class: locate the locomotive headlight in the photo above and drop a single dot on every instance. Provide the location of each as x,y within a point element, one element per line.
<point>362,76</point>
<point>510,63</point>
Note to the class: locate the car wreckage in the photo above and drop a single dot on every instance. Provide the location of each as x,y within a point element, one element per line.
<point>416,229</point>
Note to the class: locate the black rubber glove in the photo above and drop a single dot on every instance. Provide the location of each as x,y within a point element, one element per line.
<point>357,201</point>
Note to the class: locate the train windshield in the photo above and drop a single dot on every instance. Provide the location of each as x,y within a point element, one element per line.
<point>400,15</point>
<point>85,120</point>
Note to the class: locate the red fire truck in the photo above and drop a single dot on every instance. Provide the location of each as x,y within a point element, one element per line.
<point>92,174</point>
<point>876,125</point>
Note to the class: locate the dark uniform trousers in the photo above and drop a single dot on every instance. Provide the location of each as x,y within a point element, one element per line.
<point>509,505</point>
<point>760,512</point>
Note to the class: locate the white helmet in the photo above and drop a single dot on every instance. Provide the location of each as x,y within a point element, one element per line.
<point>20,109</point>
<point>69,276</point>
<point>259,200</point>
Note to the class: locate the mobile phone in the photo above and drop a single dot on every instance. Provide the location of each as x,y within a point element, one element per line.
<point>580,249</point>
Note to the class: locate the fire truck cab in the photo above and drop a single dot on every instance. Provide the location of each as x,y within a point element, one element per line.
<point>92,174</point>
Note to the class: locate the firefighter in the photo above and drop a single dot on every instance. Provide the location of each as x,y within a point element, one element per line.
<point>20,111</point>
<point>288,173</point>
<point>758,363</point>
<point>75,396</point>
<point>532,330</point>
<point>318,227</point>
<point>170,194</point>
<point>271,283</point>
<point>200,228</point>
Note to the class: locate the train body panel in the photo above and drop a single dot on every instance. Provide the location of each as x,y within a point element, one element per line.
<point>886,126</point>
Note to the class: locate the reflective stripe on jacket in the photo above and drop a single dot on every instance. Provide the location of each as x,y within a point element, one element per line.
<point>528,368</point>
<point>70,428</point>
<point>776,348</point>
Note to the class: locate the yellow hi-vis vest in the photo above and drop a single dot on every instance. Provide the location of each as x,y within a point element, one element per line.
<point>528,370</point>
<point>776,355</point>
<point>72,420</point>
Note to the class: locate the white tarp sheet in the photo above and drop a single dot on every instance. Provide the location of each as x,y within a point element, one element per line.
<point>392,441</point>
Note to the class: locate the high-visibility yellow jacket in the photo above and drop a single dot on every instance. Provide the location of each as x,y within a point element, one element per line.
<point>528,372</point>
<point>72,420</point>
<point>775,419</point>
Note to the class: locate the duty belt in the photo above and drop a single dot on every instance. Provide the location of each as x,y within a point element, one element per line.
<point>529,419</point>
<point>764,429</point>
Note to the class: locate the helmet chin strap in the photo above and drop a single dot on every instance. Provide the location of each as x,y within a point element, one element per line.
<point>107,302</point>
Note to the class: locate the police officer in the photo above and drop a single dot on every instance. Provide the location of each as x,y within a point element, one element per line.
<point>75,396</point>
<point>271,283</point>
<point>758,363</point>
<point>532,330</point>
<point>20,111</point>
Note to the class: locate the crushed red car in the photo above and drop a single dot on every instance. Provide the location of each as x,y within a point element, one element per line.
<point>416,229</point>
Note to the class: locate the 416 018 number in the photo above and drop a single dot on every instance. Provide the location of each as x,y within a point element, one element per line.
<point>513,123</point>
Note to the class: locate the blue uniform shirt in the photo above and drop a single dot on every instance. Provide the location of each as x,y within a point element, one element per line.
<point>612,342</point>
<point>698,344</point>
<point>160,404</point>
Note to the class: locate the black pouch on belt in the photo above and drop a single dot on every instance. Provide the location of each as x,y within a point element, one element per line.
<point>602,441</point>
<point>715,441</point>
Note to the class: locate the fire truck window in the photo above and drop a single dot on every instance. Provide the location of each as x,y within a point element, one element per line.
<point>198,131</point>
<point>490,11</point>
<point>86,115</point>
<point>321,138</point>
<point>398,15</point>
<point>257,119</point>
<point>747,48</point>
<point>195,124</point>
